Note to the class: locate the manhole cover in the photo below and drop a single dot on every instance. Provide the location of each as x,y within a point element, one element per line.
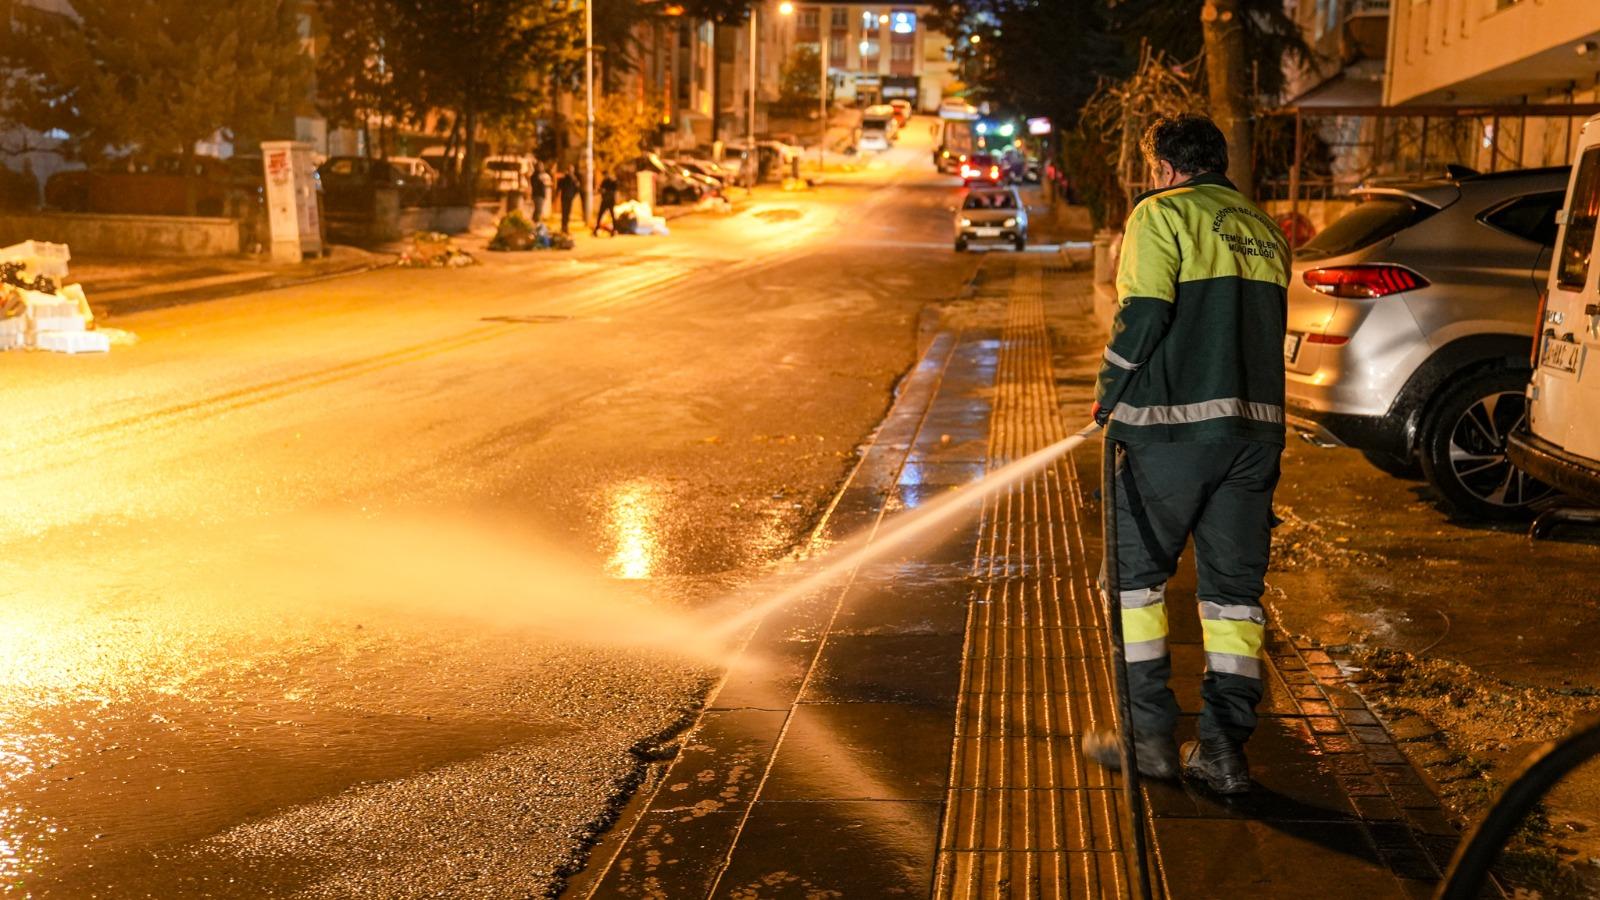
<point>528,320</point>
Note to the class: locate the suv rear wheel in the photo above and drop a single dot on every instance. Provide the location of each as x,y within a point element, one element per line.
<point>1463,447</point>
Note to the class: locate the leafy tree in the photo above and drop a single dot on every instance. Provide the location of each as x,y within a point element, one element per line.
<point>158,76</point>
<point>622,131</point>
<point>802,78</point>
<point>1050,55</point>
<point>487,61</point>
<point>357,77</point>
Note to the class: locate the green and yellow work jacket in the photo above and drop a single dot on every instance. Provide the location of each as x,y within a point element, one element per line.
<point>1196,350</point>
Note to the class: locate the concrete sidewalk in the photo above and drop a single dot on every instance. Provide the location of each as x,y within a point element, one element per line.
<point>914,731</point>
<point>118,286</point>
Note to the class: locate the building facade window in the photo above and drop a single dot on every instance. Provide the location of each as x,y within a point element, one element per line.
<point>837,48</point>
<point>901,52</point>
<point>808,19</point>
<point>839,18</point>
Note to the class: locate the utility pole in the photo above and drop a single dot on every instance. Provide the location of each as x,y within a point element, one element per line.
<point>752,166</point>
<point>1223,27</point>
<point>588,88</point>
<point>824,38</point>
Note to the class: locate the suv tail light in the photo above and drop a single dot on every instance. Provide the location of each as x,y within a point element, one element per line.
<point>1363,281</point>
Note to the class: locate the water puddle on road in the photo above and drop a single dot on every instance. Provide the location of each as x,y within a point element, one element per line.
<point>156,697</point>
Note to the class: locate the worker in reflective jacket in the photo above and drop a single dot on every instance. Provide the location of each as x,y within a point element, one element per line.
<point>1192,386</point>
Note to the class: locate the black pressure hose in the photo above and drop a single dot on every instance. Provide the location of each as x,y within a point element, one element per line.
<point>1539,773</point>
<point>1112,454</point>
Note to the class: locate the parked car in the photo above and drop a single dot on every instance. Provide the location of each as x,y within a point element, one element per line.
<point>1409,323</point>
<point>511,174</point>
<point>1559,443</point>
<point>992,215</point>
<point>877,133</point>
<point>417,178</point>
<point>350,185</point>
<point>721,174</point>
<point>674,183</point>
<point>983,168</point>
<point>882,111</point>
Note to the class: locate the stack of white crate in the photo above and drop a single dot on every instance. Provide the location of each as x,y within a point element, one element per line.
<point>59,321</point>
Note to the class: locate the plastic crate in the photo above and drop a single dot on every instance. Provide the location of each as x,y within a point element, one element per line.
<point>73,322</point>
<point>39,257</point>
<point>73,342</point>
<point>54,308</point>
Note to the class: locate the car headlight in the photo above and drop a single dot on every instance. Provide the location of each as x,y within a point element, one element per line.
<point>1011,223</point>
<point>965,222</point>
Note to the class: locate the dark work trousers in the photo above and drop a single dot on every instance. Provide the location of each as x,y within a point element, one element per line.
<point>1221,493</point>
<point>607,207</point>
<point>566,210</point>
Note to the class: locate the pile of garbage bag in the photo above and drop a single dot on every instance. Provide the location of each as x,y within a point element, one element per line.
<point>37,311</point>
<point>516,231</point>
<point>634,217</point>
<point>434,250</point>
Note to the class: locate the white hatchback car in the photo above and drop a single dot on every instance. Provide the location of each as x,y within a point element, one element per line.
<point>1561,443</point>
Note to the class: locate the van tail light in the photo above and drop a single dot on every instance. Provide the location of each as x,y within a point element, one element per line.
<point>1365,282</point>
<point>1330,339</point>
<point>994,171</point>
<point>1538,328</point>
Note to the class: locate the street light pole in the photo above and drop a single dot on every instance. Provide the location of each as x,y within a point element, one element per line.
<point>751,165</point>
<point>588,89</point>
<point>824,38</point>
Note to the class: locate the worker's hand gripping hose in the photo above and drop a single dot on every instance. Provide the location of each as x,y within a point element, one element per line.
<point>1141,886</point>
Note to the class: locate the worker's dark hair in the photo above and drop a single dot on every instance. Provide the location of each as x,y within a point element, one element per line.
<point>1191,143</point>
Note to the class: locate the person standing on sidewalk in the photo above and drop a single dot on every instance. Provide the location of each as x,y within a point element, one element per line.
<point>567,188</point>
<point>608,204</point>
<point>1192,384</point>
<point>539,189</point>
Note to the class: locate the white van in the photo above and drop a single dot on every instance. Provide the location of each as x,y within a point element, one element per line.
<point>877,133</point>
<point>1560,443</point>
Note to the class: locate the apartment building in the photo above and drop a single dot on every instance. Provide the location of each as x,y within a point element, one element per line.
<point>1478,52</point>
<point>875,51</point>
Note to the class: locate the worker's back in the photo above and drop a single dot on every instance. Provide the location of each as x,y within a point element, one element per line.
<point>1223,266</point>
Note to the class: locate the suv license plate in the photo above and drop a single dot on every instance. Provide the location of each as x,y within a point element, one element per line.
<point>987,232</point>
<point>1560,355</point>
<point>1291,347</point>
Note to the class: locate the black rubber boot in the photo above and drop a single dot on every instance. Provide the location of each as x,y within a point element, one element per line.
<point>1157,754</point>
<point>1220,764</point>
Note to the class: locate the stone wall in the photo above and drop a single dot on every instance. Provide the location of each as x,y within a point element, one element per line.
<point>115,235</point>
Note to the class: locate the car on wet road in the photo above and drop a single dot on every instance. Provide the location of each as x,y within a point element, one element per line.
<point>992,215</point>
<point>1409,324</point>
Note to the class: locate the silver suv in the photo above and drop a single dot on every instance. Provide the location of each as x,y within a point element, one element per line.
<point>1410,322</point>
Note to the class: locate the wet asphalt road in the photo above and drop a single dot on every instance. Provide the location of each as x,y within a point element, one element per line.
<point>370,587</point>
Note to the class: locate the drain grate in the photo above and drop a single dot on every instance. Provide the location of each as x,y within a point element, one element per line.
<point>528,320</point>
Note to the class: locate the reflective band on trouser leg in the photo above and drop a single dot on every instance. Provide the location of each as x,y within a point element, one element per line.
<point>1233,638</point>
<point>1144,624</point>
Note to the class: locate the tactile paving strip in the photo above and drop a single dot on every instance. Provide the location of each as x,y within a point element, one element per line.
<point>1026,816</point>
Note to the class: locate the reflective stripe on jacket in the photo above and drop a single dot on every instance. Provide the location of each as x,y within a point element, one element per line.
<point>1196,349</point>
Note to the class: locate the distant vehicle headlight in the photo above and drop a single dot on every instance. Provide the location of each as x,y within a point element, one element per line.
<point>965,222</point>
<point>1011,223</point>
